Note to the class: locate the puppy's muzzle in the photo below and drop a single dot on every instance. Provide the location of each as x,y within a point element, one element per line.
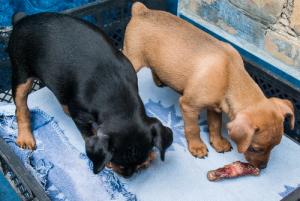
<point>261,164</point>
<point>129,171</point>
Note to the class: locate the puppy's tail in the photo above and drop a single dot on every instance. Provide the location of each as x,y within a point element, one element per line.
<point>138,8</point>
<point>17,17</point>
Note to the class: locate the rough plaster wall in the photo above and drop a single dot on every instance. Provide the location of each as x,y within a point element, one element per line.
<point>295,17</point>
<point>266,11</point>
<point>281,39</point>
<point>283,24</point>
<point>271,25</point>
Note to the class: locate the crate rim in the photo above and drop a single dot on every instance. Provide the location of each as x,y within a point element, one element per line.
<point>27,179</point>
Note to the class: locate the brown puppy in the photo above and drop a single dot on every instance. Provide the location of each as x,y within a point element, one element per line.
<point>209,74</point>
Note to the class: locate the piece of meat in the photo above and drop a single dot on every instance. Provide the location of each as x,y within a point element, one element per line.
<point>235,169</point>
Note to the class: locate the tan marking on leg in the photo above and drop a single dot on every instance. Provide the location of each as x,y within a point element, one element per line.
<point>25,138</point>
<point>218,142</point>
<point>191,129</point>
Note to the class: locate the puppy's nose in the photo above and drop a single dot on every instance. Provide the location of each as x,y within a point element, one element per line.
<point>263,166</point>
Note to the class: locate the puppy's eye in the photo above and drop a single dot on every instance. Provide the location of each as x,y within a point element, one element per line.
<point>254,150</point>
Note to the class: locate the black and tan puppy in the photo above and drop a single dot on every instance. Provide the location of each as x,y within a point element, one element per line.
<point>93,81</point>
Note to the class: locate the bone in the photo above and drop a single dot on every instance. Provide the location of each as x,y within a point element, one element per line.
<point>233,170</point>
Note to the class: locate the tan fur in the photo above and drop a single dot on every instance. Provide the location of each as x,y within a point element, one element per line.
<point>25,138</point>
<point>210,75</point>
<point>66,109</point>
<point>119,169</point>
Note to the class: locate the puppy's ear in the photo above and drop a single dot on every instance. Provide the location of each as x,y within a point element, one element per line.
<point>162,137</point>
<point>241,131</point>
<point>97,149</point>
<point>286,109</point>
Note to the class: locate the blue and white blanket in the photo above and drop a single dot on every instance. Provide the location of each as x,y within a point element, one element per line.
<point>61,166</point>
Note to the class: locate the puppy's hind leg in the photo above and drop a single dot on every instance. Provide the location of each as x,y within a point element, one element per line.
<point>218,142</point>
<point>20,93</point>
<point>191,128</point>
<point>133,51</point>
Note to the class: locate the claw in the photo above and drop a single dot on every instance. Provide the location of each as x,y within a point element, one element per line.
<point>26,141</point>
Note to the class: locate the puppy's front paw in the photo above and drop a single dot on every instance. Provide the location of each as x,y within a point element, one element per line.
<point>198,148</point>
<point>26,141</point>
<point>220,144</point>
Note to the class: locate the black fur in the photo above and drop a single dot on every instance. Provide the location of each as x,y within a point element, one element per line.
<point>78,63</point>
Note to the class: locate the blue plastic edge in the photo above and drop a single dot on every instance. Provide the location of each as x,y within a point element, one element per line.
<point>172,6</point>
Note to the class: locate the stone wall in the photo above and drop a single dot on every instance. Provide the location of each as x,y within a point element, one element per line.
<point>271,25</point>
